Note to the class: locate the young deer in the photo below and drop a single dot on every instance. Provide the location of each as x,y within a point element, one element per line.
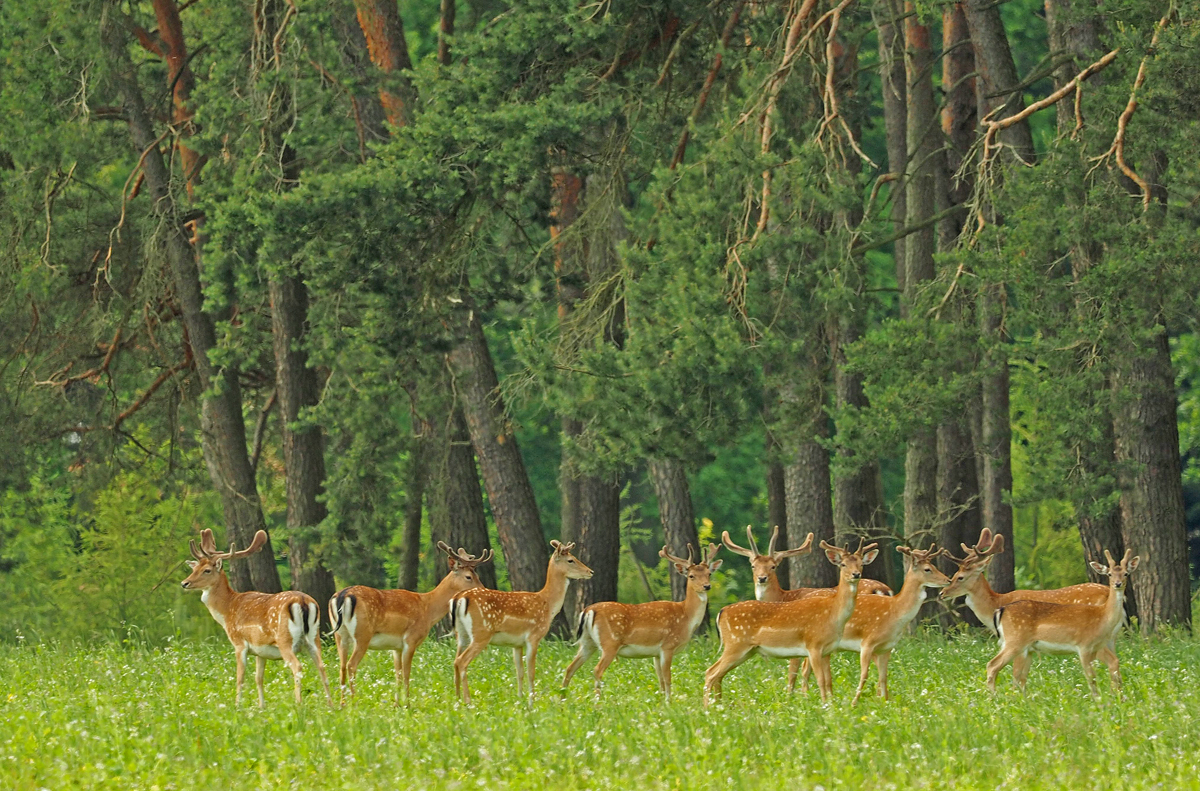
<point>520,619</point>
<point>879,622</point>
<point>655,629</point>
<point>268,625</point>
<point>808,627</point>
<point>1082,629</point>
<point>766,580</point>
<point>396,620</point>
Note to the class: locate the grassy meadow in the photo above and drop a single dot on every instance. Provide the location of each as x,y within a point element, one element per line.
<point>113,717</point>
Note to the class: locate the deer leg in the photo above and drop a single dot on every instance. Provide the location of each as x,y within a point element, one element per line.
<point>260,670</point>
<point>289,658</point>
<point>360,650</point>
<point>607,655</point>
<point>239,653</point>
<point>793,670</point>
<point>314,650</point>
<point>461,663</point>
<point>820,668</point>
<point>517,664</point>
<point>1020,666</point>
<point>406,659</point>
<point>341,652</point>
<point>531,665</point>
<point>1109,658</point>
<point>805,673</point>
<point>730,658</point>
<point>664,662</point>
<point>1086,658</point>
<point>997,664</point>
<point>586,649</point>
<point>881,664</point>
<point>865,654</point>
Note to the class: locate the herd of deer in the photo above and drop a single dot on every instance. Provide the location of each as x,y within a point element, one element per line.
<point>812,623</point>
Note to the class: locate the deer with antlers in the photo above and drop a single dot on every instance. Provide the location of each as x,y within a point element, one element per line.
<point>879,622</point>
<point>268,625</point>
<point>396,620</point>
<point>1050,627</point>
<point>519,619</point>
<point>655,629</point>
<point>766,578</point>
<point>811,626</point>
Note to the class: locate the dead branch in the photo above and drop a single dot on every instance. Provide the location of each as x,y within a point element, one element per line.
<point>709,81</point>
<point>157,383</point>
<point>260,428</point>
<point>92,373</point>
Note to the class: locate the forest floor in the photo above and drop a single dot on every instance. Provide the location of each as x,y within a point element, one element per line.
<point>113,717</point>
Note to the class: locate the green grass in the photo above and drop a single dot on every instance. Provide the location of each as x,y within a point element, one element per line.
<point>117,718</point>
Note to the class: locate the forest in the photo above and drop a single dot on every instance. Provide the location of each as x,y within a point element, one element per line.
<point>372,275</point>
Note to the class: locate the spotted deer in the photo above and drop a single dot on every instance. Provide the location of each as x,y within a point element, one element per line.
<point>655,629</point>
<point>396,620</point>
<point>519,619</point>
<point>811,626</point>
<point>1050,627</point>
<point>268,625</point>
<point>766,578</point>
<point>879,622</point>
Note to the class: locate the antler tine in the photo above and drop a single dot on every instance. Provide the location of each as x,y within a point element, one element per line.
<point>864,550</point>
<point>774,540</point>
<point>663,553</point>
<point>750,536</point>
<point>826,545</point>
<point>1108,556</point>
<point>803,549</point>
<point>260,538</point>
<point>858,551</point>
<point>442,545</point>
<point>713,549</point>
<point>691,551</point>
<point>196,553</point>
<point>1127,556</point>
<point>207,543</point>
<point>734,548</point>
<point>984,544</point>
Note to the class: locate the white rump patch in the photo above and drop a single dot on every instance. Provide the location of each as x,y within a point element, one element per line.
<point>783,652</point>
<point>265,651</point>
<point>1054,648</point>
<point>638,651</point>
<point>387,642</point>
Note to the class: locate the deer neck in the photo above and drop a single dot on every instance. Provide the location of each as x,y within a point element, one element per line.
<point>695,602</point>
<point>219,598</point>
<point>843,600</point>
<point>1115,607</point>
<point>437,601</point>
<point>911,596</point>
<point>555,589</point>
<point>982,600</point>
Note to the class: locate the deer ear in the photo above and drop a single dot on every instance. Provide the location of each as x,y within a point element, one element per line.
<point>681,568</point>
<point>191,564</point>
<point>870,557</point>
<point>1133,563</point>
<point>716,564</point>
<point>1098,568</point>
<point>219,564</point>
<point>834,556</point>
<point>452,562</point>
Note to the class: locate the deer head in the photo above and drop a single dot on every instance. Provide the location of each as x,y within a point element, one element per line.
<point>208,561</point>
<point>567,564</point>
<point>850,563</point>
<point>1117,573</point>
<point>699,575</point>
<point>462,566</point>
<point>762,565</point>
<point>919,562</point>
<point>972,566</point>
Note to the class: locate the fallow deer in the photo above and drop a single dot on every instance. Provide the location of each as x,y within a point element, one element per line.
<point>519,619</point>
<point>1082,629</point>
<point>655,629</point>
<point>268,625</point>
<point>396,620</point>
<point>879,622</point>
<point>810,627</point>
<point>766,578</point>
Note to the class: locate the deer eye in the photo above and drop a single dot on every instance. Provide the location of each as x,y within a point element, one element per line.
<point>208,571</point>
<point>468,578</point>
<point>570,561</point>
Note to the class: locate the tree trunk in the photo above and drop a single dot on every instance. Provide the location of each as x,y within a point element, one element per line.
<point>599,542</point>
<point>920,464</point>
<point>997,434</point>
<point>1073,28</point>
<point>776,503</point>
<point>384,30</point>
<point>998,75</point>
<point>809,503</point>
<point>296,384</point>
<point>1152,513</point>
<point>676,513</point>
<point>895,117</point>
<point>509,492</point>
<point>455,500</point>
<point>223,431</point>
<point>958,497</point>
<point>415,481</point>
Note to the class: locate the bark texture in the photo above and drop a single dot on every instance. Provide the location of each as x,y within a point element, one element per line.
<point>1073,28</point>
<point>676,514</point>
<point>455,500</point>
<point>384,31</point>
<point>920,463</point>
<point>509,492</point>
<point>998,76</point>
<point>1152,513</point>
<point>997,434</point>
<point>895,115</point>
<point>809,504</point>
<point>776,506</point>
<point>416,477</point>
<point>223,431</point>
<point>599,542</point>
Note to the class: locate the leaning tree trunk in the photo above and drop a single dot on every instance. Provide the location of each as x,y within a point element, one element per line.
<point>509,491</point>
<point>296,383</point>
<point>223,431</point>
<point>456,513</point>
<point>1152,513</point>
<point>676,513</point>
<point>920,464</point>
